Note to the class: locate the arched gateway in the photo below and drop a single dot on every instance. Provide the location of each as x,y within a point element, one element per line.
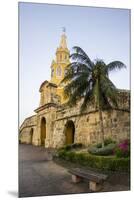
<point>43,131</point>
<point>31,136</point>
<point>69,132</point>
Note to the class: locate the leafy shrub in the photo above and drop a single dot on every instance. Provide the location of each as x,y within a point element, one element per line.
<point>123,149</point>
<point>105,151</point>
<point>111,163</point>
<point>62,154</point>
<point>70,156</point>
<point>106,142</point>
<point>77,145</point>
<point>99,145</point>
<point>68,147</point>
<point>71,146</point>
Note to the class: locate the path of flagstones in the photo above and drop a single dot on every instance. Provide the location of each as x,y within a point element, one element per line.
<point>39,175</point>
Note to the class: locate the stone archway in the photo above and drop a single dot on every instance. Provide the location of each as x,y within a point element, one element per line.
<point>31,135</point>
<point>43,131</point>
<point>69,132</point>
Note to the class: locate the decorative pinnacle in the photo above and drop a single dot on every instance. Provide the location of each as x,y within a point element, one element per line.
<point>63,43</point>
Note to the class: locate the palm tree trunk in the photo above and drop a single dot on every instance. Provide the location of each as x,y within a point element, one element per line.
<point>100,114</point>
<point>101,127</point>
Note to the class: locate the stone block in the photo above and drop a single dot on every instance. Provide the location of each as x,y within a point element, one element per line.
<point>93,186</point>
<point>76,179</point>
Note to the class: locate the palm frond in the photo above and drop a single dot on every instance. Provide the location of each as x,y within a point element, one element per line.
<point>105,103</point>
<point>69,74</point>
<point>88,98</point>
<point>115,65</point>
<point>75,69</point>
<point>82,59</point>
<point>77,93</point>
<point>79,50</point>
<point>79,80</point>
<point>89,80</point>
<point>79,67</point>
<point>109,91</point>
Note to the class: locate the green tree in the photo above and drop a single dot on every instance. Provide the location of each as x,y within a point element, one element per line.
<point>88,80</point>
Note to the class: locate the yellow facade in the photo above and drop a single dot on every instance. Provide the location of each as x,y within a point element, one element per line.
<point>58,66</point>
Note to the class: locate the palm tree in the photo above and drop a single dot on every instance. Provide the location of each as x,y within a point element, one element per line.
<point>88,80</point>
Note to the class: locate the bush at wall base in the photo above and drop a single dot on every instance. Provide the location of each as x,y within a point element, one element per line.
<point>103,151</point>
<point>111,163</point>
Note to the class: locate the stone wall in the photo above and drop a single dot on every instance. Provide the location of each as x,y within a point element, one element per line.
<point>28,130</point>
<point>49,114</point>
<point>87,125</point>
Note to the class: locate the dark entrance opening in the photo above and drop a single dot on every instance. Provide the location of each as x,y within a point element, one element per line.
<point>69,132</point>
<point>31,136</point>
<point>43,131</point>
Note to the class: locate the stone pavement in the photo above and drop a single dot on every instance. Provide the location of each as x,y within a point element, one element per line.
<point>40,176</point>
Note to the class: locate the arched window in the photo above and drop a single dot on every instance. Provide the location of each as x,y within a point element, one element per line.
<point>65,57</point>
<point>52,72</point>
<point>58,72</point>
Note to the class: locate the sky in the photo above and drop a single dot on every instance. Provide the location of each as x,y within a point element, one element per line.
<point>101,32</point>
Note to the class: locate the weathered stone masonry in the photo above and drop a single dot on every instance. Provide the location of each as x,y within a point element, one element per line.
<point>87,130</point>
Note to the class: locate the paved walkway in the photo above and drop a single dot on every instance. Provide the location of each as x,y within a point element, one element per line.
<point>40,176</point>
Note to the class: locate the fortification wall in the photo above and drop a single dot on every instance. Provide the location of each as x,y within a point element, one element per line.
<point>87,127</point>
<point>86,124</point>
<point>27,131</point>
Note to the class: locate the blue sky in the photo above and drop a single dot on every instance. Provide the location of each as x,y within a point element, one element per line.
<point>102,32</point>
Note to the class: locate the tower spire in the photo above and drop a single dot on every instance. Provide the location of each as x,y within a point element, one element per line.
<point>63,43</point>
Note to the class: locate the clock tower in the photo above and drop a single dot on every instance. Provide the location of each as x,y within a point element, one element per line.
<point>58,66</point>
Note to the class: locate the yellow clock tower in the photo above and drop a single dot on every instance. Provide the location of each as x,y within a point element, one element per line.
<point>58,66</point>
